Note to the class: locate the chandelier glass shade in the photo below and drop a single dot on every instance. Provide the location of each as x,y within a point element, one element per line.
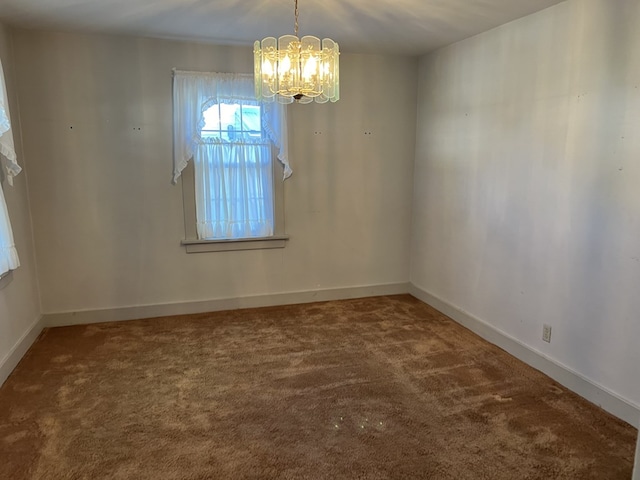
<point>292,69</point>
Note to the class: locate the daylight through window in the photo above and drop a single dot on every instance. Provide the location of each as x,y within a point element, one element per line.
<point>233,174</point>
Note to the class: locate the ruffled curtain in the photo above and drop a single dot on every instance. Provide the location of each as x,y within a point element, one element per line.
<point>234,191</point>
<point>10,168</point>
<point>193,92</point>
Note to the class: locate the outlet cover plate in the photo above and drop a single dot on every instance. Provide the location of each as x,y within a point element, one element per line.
<point>546,333</point>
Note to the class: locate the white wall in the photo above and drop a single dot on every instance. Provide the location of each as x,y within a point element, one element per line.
<point>97,115</point>
<point>526,195</point>
<point>19,303</point>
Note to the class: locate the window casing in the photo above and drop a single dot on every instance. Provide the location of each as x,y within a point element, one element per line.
<point>225,146</point>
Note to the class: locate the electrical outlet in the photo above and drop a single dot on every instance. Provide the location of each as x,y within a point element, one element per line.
<point>546,333</point>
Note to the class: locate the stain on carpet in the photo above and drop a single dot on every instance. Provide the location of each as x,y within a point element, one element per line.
<point>375,388</point>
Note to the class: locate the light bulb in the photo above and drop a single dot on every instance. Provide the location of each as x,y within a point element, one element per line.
<point>267,68</point>
<point>310,67</point>
<point>285,65</point>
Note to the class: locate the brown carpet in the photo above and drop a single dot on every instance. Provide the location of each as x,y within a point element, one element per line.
<point>376,388</point>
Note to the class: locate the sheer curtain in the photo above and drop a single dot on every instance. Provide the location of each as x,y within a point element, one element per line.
<point>234,197</point>
<point>8,254</point>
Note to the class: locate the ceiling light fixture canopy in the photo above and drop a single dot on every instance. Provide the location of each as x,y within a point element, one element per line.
<point>290,68</point>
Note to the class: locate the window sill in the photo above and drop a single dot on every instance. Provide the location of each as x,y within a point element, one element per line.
<point>202,246</point>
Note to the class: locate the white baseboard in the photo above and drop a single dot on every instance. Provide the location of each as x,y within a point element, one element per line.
<point>574,381</point>
<point>11,359</point>
<point>167,309</point>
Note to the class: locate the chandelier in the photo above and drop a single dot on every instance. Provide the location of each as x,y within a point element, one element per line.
<point>290,68</point>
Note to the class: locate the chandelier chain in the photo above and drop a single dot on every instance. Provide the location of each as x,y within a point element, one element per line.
<point>296,15</point>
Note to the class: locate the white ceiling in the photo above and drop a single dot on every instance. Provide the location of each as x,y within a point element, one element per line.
<point>409,27</point>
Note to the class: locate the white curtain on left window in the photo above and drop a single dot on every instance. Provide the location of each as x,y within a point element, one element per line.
<point>8,254</point>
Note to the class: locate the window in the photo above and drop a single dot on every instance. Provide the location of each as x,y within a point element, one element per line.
<point>226,143</point>
<point>8,254</point>
<point>233,178</point>
<point>232,122</point>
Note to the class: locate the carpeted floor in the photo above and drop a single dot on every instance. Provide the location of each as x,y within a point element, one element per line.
<point>376,388</point>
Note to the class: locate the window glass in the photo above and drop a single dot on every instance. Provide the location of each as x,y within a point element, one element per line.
<point>232,122</point>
